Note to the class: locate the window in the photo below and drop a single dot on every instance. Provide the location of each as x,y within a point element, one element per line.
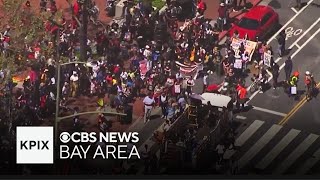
<point>247,23</point>
<point>265,19</point>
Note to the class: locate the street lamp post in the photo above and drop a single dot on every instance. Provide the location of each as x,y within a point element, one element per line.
<point>57,118</point>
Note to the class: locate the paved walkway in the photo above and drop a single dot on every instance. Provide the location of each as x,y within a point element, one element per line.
<point>63,5</point>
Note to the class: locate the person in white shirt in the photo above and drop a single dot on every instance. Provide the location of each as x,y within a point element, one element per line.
<point>177,88</point>
<point>163,104</point>
<point>179,76</point>
<point>169,82</point>
<point>148,102</point>
<point>147,52</point>
<point>95,70</point>
<point>124,76</point>
<point>245,59</point>
<point>74,83</point>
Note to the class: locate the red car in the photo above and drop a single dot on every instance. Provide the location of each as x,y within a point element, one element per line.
<point>258,22</point>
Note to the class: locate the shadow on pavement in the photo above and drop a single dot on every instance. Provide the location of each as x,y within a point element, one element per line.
<point>315,4</point>
<point>275,4</point>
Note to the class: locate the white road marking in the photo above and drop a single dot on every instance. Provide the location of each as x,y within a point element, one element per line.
<point>311,27</point>
<point>294,54</point>
<point>297,45</point>
<point>309,163</point>
<point>297,32</point>
<point>290,31</point>
<point>256,148</point>
<point>244,137</point>
<point>248,132</point>
<point>277,149</point>
<point>269,111</point>
<point>290,20</point>
<point>241,117</point>
<point>283,167</point>
<point>294,10</point>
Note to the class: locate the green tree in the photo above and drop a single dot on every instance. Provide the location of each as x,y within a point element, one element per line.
<point>27,26</point>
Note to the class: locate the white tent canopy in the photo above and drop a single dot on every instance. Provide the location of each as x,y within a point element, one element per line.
<point>217,100</point>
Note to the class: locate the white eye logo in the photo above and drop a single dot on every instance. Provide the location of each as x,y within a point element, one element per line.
<point>65,137</point>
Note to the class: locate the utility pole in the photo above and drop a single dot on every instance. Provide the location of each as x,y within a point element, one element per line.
<point>83,30</point>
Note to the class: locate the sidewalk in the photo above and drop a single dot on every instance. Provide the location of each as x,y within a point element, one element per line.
<point>62,5</point>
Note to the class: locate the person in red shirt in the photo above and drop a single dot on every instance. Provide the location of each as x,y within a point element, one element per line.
<point>242,97</point>
<point>201,7</point>
<point>76,9</point>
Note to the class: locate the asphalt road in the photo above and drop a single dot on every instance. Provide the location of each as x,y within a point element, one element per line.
<point>303,48</point>
<point>280,135</point>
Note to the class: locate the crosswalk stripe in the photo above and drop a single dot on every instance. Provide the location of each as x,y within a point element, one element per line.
<point>244,137</point>
<point>248,132</point>
<point>282,168</point>
<point>277,149</point>
<point>309,163</point>
<point>256,148</point>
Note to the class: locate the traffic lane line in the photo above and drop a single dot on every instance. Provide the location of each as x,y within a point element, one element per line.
<point>295,109</point>
<point>297,40</point>
<point>295,53</point>
<point>302,22</point>
<point>297,45</point>
<point>294,10</point>
<point>241,117</point>
<point>292,56</point>
<point>290,20</point>
<point>269,111</point>
<point>302,40</point>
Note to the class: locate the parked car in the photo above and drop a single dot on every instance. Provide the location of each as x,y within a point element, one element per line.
<point>258,22</point>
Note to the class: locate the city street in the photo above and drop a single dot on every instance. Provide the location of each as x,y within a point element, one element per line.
<point>280,135</point>
<point>275,134</point>
<point>304,52</point>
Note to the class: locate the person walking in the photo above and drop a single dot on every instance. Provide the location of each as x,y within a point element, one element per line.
<point>288,68</point>
<point>242,97</point>
<point>222,16</point>
<point>74,84</point>
<point>149,103</point>
<point>275,75</point>
<point>281,43</point>
<point>310,84</point>
<point>164,104</point>
<point>293,83</point>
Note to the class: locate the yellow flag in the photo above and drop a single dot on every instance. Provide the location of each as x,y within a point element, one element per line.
<point>100,102</point>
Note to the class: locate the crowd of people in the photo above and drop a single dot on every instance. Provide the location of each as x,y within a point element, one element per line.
<point>137,59</point>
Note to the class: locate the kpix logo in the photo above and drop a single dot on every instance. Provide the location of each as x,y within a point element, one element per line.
<point>29,145</point>
<point>34,145</point>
